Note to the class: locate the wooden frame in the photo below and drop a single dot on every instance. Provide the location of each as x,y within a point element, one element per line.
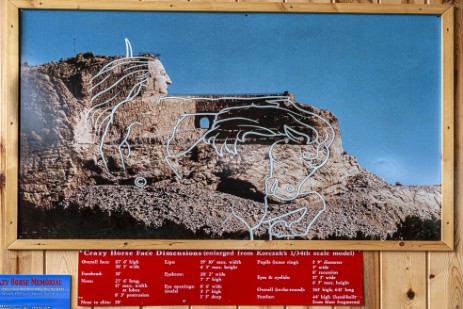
<point>10,118</point>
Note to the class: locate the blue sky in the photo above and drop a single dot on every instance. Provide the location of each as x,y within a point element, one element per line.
<point>379,74</point>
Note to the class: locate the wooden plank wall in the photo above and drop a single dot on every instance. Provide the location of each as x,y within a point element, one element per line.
<point>392,279</point>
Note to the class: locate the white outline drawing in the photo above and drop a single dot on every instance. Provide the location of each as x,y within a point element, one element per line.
<point>297,131</point>
<point>102,114</point>
<point>247,128</point>
<point>140,182</point>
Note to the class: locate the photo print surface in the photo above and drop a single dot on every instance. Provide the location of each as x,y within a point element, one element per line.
<point>168,125</point>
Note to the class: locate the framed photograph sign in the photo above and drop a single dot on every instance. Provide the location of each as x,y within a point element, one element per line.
<point>170,125</point>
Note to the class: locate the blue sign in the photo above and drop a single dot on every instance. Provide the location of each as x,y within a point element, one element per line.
<point>35,291</point>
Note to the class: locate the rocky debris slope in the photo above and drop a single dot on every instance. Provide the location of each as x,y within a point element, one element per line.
<point>61,166</point>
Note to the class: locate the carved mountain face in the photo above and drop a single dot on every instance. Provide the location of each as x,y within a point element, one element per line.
<point>270,178</point>
<point>160,78</point>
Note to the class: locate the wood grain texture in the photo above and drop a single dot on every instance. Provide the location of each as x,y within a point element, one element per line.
<point>445,280</point>
<point>403,280</point>
<point>8,259</point>
<point>448,157</point>
<point>310,1</point>
<point>371,282</point>
<point>9,123</point>
<point>390,2</point>
<point>64,263</point>
<point>413,1</point>
<point>31,262</point>
<point>251,6</point>
<point>11,118</point>
<point>435,278</point>
<point>355,1</point>
<point>3,35</point>
<point>96,244</point>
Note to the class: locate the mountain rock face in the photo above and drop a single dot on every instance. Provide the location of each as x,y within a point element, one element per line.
<point>166,175</point>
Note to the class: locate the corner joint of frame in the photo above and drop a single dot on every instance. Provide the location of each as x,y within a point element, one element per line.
<point>14,4</point>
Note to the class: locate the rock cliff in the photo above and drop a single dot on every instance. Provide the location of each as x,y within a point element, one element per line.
<point>61,166</point>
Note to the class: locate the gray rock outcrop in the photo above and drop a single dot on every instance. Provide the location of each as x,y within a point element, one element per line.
<point>60,165</point>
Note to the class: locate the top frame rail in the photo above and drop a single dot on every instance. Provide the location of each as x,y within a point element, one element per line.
<point>142,5</point>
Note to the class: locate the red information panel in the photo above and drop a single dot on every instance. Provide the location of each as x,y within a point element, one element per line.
<point>160,277</point>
